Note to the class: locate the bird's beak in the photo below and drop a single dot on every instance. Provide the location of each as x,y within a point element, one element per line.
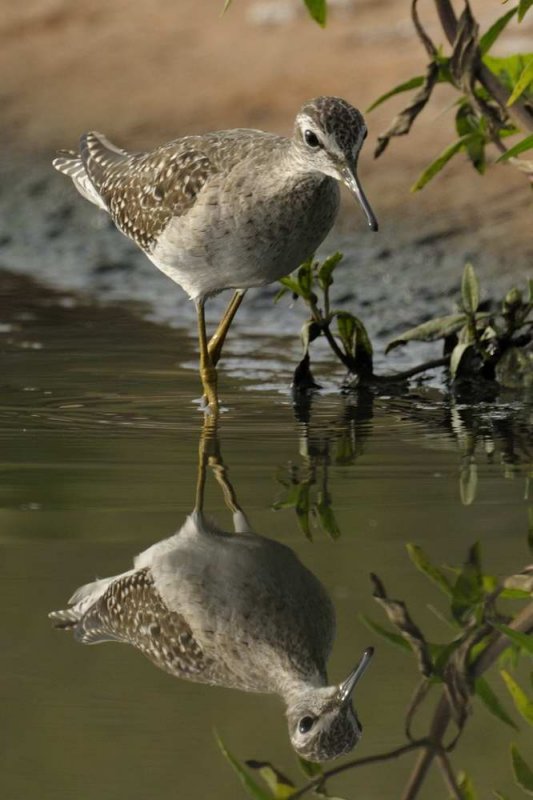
<point>346,687</point>
<point>349,176</point>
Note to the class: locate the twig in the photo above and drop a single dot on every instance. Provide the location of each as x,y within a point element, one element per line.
<point>523,622</point>
<point>518,112</point>
<point>359,762</point>
<point>410,373</point>
<point>449,776</point>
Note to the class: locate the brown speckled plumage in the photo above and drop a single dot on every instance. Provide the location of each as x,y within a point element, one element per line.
<point>132,611</point>
<point>230,209</point>
<point>235,610</point>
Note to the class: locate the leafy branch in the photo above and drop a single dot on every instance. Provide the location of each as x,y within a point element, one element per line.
<point>495,94</point>
<point>482,632</point>
<point>476,343</point>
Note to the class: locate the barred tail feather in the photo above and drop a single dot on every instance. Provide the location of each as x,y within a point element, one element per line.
<point>70,163</point>
<point>65,619</point>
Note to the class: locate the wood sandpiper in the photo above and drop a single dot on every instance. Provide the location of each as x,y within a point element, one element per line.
<point>227,210</point>
<point>229,609</point>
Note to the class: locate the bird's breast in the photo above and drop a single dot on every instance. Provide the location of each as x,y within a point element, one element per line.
<point>242,233</point>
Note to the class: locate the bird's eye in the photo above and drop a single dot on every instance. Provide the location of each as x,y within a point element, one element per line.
<point>305,724</point>
<point>312,140</point>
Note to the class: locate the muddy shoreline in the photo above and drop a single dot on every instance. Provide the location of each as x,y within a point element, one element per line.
<point>399,277</point>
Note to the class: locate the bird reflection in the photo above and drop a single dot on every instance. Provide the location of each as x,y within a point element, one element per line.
<point>229,609</point>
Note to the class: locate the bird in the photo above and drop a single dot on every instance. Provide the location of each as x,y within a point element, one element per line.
<point>232,209</point>
<point>232,609</point>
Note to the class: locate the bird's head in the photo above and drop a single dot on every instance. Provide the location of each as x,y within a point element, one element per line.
<point>329,134</point>
<point>322,722</point>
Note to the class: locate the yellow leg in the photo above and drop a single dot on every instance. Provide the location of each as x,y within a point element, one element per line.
<point>219,337</point>
<point>208,373</point>
<point>208,444</point>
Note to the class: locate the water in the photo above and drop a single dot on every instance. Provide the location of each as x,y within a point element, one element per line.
<point>100,437</point>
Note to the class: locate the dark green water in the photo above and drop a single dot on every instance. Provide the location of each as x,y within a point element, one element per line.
<point>99,441</point>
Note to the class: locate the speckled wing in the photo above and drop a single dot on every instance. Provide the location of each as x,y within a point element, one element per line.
<point>132,611</point>
<point>144,191</point>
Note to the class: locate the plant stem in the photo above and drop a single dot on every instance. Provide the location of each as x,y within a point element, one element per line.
<point>409,373</point>
<point>359,762</point>
<point>443,713</point>
<point>518,112</point>
<point>449,776</point>
<point>323,324</point>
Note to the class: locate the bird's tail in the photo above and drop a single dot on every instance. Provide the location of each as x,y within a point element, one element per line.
<point>82,599</point>
<point>70,163</point>
<point>66,619</point>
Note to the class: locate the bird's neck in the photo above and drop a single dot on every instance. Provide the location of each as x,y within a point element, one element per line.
<point>292,687</point>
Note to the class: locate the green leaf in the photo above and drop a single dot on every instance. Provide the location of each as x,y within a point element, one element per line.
<point>509,69</point>
<point>308,333</point>
<point>318,10</point>
<point>406,86</point>
<point>252,788</point>
<point>522,772</point>
<point>523,8</point>
<point>441,654</point>
<point>475,151</point>
<point>437,328</point>
<point>468,483</point>
<point>470,289</point>
<point>326,269</point>
<point>523,640</point>
<point>524,81</point>
<point>326,515</point>
<point>309,768</point>
<point>290,285</point>
<point>468,588</point>
<point>422,563</point>
<point>362,338</point>
<point>281,293</point>
<point>515,594</point>
<point>302,509</point>
<point>290,500</point>
<point>441,161</point>
<point>393,638</point>
<point>466,787</point>
<point>457,356</point>
<point>490,36</point>
<point>523,704</point>
<point>467,122</point>
<point>492,702</point>
<point>304,277</point>
<point>347,331</point>
<point>280,786</point>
